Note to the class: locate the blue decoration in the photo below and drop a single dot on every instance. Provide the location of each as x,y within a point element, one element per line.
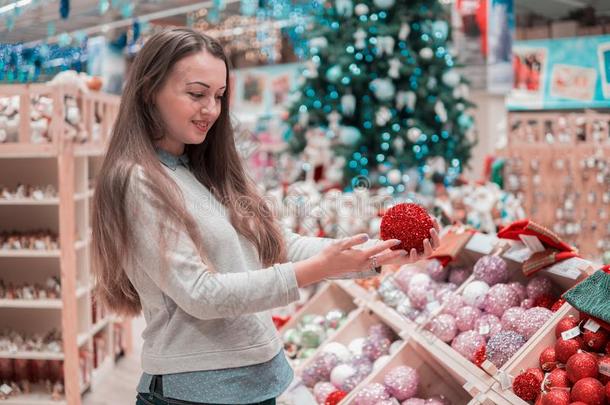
<point>64,39</point>
<point>64,8</point>
<point>383,89</point>
<point>350,135</point>
<point>334,73</point>
<point>103,6</point>
<point>440,29</point>
<point>465,121</point>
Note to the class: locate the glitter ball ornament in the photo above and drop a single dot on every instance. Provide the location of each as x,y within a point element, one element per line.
<point>409,223</point>
<point>567,323</point>
<point>362,364</point>
<point>402,382</point>
<point>480,356</point>
<point>557,378</point>
<point>457,275</point>
<point>443,290</point>
<point>341,373</point>
<point>466,318</point>
<point>588,390</point>
<point>319,369</point>
<point>339,350</point>
<point>532,320</point>
<point>355,346</point>
<point>333,318</point>
<point>292,336</point>
<point>335,397</point>
<point>414,401</point>
<point>436,270</point>
<point>452,303</point>
<point>420,280</point>
<point>371,394</point>
<point>527,303</point>
<point>474,293</point>
<point>322,390</point>
<point>511,318</point>
<point>488,325</point>
<point>558,304</point>
<point>595,341</point>
<point>538,286</point>
<point>555,397</point>
<point>519,289</point>
<point>352,382</point>
<point>391,401</point>
<point>312,335</point>
<point>390,293</point>
<point>491,269</point>
<point>467,343</point>
<point>404,275</point>
<point>527,386</point>
<point>407,310</point>
<point>548,359</point>
<point>564,349</point>
<point>444,327</point>
<point>381,330</point>
<point>545,301</point>
<point>499,298</point>
<point>375,347</point>
<point>582,365</point>
<point>420,296</point>
<point>502,346</point>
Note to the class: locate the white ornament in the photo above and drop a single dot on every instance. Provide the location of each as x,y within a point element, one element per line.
<point>385,45</point>
<point>333,121</point>
<point>432,82</point>
<point>406,99</point>
<point>318,42</point>
<point>362,9</point>
<point>384,89</point>
<point>348,104</point>
<point>474,293</point>
<point>441,111</point>
<point>355,346</point>
<point>303,118</point>
<point>383,116</point>
<point>395,346</point>
<point>394,70</point>
<point>399,144</point>
<point>451,78</point>
<point>413,134</point>
<point>360,39</point>
<point>426,53</point>
<point>341,373</point>
<point>384,4</point>
<point>394,176</point>
<point>344,7</point>
<point>312,70</point>
<point>339,350</point>
<point>405,30</point>
<point>460,106</point>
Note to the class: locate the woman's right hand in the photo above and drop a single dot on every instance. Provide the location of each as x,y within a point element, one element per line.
<point>340,257</point>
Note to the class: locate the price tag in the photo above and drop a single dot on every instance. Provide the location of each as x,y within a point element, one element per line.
<point>570,268</point>
<point>482,243</point>
<point>533,243</point>
<point>433,306</point>
<point>604,368</point>
<point>505,381</point>
<point>484,329</point>
<point>592,325</point>
<point>518,252</point>
<point>6,389</point>
<point>571,333</point>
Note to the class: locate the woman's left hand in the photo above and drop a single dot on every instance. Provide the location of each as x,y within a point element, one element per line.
<point>429,246</point>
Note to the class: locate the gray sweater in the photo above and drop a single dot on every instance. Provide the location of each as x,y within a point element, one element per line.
<point>197,319</point>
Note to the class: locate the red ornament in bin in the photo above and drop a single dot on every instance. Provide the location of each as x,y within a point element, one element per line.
<point>527,386</point>
<point>564,349</point>
<point>557,378</point>
<point>556,397</point>
<point>588,390</point>
<point>595,341</point>
<point>567,323</point>
<point>335,397</point>
<point>548,359</point>
<point>582,365</point>
<point>409,223</point>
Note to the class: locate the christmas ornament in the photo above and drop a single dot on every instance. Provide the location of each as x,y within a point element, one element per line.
<point>344,8</point>
<point>394,176</point>
<point>452,303</point>
<point>564,349</point>
<point>474,293</point>
<point>499,298</point>
<point>371,394</point>
<point>383,116</point>
<point>565,324</point>
<point>394,69</point>
<point>441,111</point>
<point>413,134</point>
<point>555,397</point>
<point>538,286</point>
<point>426,53</point>
<point>409,223</point>
<point>519,289</point>
<point>511,318</point>
<point>558,378</point>
<point>361,9</point>
<point>318,42</point>
<point>451,78</point>
<point>350,135</point>
<point>402,382</point>
<point>527,303</point>
<point>467,343</point>
<point>355,346</point>
<point>548,359</point>
<point>335,397</point>
<point>384,4</point>
<point>502,346</point>
<point>558,304</point>
<point>381,330</point>
<point>385,45</point>
<point>444,327</point>
<point>588,390</point>
<point>312,335</point>
<point>333,318</point>
<point>405,29</point>
<point>375,347</point>
<point>458,275</point>
<point>348,104</point>
<point>360,38</point>
<point>491,269</point>
<point>527,386</point>
<point>339,350</point>
<point>341,373</point>
<point>466,317</point>
<point>383,89</point>
<point>322,390</point>
<point>595,341</point>
<point>488,325</point>
<point>319,369</point>
<point>532,320</point>
<point>545,301</point>
<point>333,74</point>
<point>389,291</point>
<point>582,365</point>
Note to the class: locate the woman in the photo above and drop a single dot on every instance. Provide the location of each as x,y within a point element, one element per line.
<point>180,233</point>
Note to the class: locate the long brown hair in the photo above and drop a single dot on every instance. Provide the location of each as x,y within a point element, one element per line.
<point>215,163</point>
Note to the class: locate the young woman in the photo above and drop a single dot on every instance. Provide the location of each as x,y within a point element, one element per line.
<point>181,234</point>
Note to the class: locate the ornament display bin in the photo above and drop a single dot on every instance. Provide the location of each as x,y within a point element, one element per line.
<point>70,165</point>
<point>528,358</point>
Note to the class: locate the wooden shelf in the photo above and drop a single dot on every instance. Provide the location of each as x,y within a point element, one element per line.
<point>21,151</point>
<point>30,201</point>
<point>29,253</point>
<point>33,399</point>
<point>31,304</point>
<point>32,356</point>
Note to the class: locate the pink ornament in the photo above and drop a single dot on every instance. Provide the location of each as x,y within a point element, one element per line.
<point>458,275</point>
<point>374,347</point>
<point>491,269</point>
<point>488,325</point>
<point>511,318</point>
<point>420,280</point>
<point>371,394</point>
<point>353,381</point>
<point>519,289</point>
<point>391,401</point>
<point>319,369</point>
<point>436,270</point>
<point>382,330</point>
<point>404,275</point>
<point>452,303</point>
<point>341,373</point>
<point>502,346</point>
<point>444,327</point>
<point>467,343</point>
<point>466,317</point>
<point>499,298</point>
<point>474,293</point>
<point>420,295</point>
<point>532,320</point>
<point>322,390</point>
<point>538,286</point>
<point>527,303</point>
<point>402,382</point>
<point>443,290</point>
<point>415,401</point>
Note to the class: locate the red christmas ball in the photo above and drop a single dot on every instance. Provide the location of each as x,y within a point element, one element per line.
<point>480,356</point>
<point>548,359</point>
<point>595,341</point>
<point>588,390</point>
<point>335,397</point>
<point>527,386</point>
<point>567,323</point>
<point>608,390</point>
<point>582,365</point>
<point>557,378</point>
<point>545,301</point>
<point>409,223</point>
<point>578,403</point>
<point>555,307</point>
<point>564,349</point>
<point>556,397</point>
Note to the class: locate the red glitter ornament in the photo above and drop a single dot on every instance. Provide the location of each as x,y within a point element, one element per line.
<point>537,372</point>
<point>608,390</point>
<point>480,356</point>
<point>588,390</point>
<point>545,301</point>
<point>548,360</point>
<point>409,223</point>
<point>557,378</point>
<point>335,397</point>
<point>527,386</point>
<point>578,403</point>
<point>567,323</point>
<point>582,365</point>
<point>555,307</point>
<point>595,341</point>
<point>564,349</point>
<point>556,397</point>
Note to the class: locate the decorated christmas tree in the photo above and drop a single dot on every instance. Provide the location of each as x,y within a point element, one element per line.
<point>381,88</point>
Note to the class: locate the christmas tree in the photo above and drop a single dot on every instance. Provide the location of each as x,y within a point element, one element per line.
<point>381,87</point>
